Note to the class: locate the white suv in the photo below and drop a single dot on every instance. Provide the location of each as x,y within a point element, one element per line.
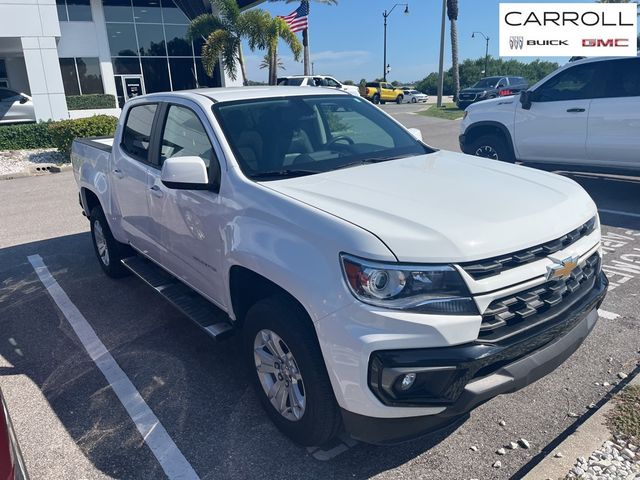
<point>317,81</point>
<point>585,113</point>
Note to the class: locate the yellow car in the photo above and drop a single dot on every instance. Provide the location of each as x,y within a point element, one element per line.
<point>381,92</point>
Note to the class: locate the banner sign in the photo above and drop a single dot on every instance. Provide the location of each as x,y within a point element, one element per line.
<point>568,29</point>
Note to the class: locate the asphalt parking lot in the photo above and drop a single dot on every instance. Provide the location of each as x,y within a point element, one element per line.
<point>71,424</point>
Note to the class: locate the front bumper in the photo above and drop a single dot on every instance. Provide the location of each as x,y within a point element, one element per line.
<point>480,372</point>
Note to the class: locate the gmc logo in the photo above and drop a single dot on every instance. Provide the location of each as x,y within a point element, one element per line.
<point>609,42</point>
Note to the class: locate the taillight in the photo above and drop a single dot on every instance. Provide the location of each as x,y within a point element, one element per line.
<point>505,93</point>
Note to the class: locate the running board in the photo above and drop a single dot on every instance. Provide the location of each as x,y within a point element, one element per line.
<point>200,310</point>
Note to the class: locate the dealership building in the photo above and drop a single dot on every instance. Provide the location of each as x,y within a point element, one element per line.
<point>53,48</point>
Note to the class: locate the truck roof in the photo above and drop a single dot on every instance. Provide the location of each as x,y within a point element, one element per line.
<point>230,94</point>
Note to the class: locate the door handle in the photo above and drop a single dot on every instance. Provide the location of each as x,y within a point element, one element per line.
<point>576,110</point>
<point>155,190</point>
<point>118,173</point>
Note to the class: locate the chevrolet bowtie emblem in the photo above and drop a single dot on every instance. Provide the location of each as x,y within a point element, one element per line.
<point>562,269</point>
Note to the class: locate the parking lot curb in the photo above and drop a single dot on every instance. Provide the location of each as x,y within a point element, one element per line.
<point>587,437</point>
<point>36,171</point>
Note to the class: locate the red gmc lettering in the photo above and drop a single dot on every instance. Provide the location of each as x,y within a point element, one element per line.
<point>600,42</point>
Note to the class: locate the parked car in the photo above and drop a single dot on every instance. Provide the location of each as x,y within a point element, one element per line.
<point>382,92</point>
<point>15,107</point>
<point>491,87</point>
<point>585,113</point>
<point>317,81</point>
<point>414,96</point>
<point>379,285</point>
<point>11,462</point>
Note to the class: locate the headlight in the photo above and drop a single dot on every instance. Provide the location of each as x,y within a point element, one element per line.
<point>437,289</point>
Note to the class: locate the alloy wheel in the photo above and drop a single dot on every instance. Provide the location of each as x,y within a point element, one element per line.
<point>101,242</point>
<point>487,151</point>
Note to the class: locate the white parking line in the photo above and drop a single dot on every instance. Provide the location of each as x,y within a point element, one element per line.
<point>608,315</point>
<point>618,212</point>
<point>167,453</point>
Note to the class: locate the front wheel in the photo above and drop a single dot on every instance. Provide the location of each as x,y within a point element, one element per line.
<point>413,100</point>
<point>376,99</point>
<point>108,250</point>
<point>399,99</point>
<point>493,147</point>
<point>289,371</point>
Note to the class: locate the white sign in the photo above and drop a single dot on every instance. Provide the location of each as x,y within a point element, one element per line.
<point>568,29</point>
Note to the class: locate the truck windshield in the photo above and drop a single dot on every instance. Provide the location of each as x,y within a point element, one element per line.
<point>275,138</point>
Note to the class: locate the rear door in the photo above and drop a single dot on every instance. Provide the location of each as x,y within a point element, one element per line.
<point>613,137</point>
<point>187,230</point>
<point>130,175</point>
<point>555,128</point>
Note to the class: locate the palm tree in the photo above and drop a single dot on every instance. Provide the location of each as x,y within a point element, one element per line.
<point>223,34</point>
<point>305,33</point>
<point>452,13</point>
<point>274,30</point>
<point>266,62</point>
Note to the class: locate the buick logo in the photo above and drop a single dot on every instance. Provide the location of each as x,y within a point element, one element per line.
<point>516,43</point>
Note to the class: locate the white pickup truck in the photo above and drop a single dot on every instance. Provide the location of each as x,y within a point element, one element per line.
<point>380,286</point>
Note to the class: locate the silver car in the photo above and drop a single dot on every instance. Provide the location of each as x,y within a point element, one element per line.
<point>414,96</point>
<point>15,107</point>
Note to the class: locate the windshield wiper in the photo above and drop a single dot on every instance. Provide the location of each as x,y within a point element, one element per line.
<point>372,160</point>
<point>284,173</point>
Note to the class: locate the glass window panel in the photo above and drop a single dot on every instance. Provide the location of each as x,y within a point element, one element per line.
<point>137,131</point>
<point>625,77</point>
<point>205,80</point>
<point>177,43</point>
<point>156,74</point>
<point>3,68</point>
<point>147,11</point>
<point>62,10</point>
<point>117,10</point>
<point>182,73</point>
<point>119,91</point>
<point>151,40</point>
<point>90,75</point>
<point>126,65</point>
<point>122,39</point>
<point>198,43</point>
<point>69,76</point>
<point>79,10</point>
<point>172,14</point>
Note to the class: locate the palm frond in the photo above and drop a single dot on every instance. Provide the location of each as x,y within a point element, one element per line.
<point>290,38</point>
<point>218,45</point>
<point>202,26</point>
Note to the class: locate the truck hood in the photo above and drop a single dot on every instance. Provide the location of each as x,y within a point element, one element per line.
<point>447,207</point>
<point>476,90</point>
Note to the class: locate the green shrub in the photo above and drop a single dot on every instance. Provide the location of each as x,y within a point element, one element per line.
<point>26,136</point>
<point>65,131</point>
<point>89,102</point>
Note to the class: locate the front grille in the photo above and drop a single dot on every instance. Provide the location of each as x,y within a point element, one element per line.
<point>495,265</point>
<point>530,308</point>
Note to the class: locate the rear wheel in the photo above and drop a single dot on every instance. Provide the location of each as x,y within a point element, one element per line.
<point>413,100</point>
<point>491,146</point>
<point>399,99</point>
<point>289,371</point>
<point>108,250</point>
<point>376,99</point>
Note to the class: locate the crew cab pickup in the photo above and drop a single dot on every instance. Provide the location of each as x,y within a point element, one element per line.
<point>585,114</point>
<point>382,92</point>
<point>379,285</point>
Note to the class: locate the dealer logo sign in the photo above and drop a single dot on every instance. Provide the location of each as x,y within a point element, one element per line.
<point>568,29</point>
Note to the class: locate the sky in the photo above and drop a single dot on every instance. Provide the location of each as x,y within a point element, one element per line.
<point>346,40</point>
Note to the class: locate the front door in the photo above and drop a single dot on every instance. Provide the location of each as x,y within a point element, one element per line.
<point>187,232</point>
<point>554,129</point>
<point>133,86</point>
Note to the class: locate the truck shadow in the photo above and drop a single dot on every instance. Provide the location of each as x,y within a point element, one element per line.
<point>198,389</point>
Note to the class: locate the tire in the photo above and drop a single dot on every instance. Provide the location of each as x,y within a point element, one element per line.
<point>399,99</point>
<point>320,419</point>
<point>108,250</point>
<point>493,147</point>
<point>413,100</point>
<point>376,99</point>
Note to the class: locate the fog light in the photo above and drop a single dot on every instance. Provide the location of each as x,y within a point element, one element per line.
<point>407,381</point>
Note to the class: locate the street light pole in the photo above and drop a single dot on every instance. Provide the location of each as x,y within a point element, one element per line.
<point>441,69</point>
<point>385,15</point>
<point>486,54</point>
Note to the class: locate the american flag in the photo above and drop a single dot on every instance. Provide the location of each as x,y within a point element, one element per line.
<point>298,20</point>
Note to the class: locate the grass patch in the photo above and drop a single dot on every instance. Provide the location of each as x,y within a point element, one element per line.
<point>625,417</point>
<point>448,111</point>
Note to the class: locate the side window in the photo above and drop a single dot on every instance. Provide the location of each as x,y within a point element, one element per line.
<point>575,83</point>
<point>332,83</point>
<point>185,136</point>
<point>502,83</point>
<point>136,136</point>
<point>624,78</point>
<point>8,95</point>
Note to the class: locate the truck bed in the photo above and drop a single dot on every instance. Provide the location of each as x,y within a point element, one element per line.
<point>90,156</point>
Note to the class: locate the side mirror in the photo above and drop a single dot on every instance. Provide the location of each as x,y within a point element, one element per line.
<point>526,99</point>
<point>185,173</point>
<point>417,134</point>
<point>23,100</point>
